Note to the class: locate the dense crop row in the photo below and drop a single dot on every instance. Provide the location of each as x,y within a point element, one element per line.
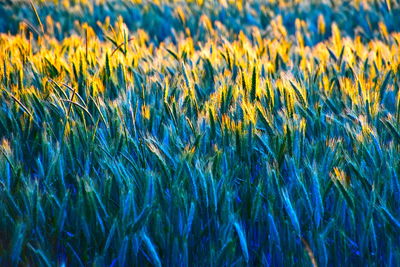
<point>208,146</point>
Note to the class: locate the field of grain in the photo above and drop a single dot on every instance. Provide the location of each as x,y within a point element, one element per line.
<point>199,133</point>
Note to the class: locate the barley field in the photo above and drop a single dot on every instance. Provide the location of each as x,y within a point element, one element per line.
<point>199,133</point>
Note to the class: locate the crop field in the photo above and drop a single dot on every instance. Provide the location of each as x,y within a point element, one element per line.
<point>199,133</point>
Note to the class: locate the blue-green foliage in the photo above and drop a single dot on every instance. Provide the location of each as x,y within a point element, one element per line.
<point>177,189</point>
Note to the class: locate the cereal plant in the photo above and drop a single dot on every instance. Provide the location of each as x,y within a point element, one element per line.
<point>199,133</point>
